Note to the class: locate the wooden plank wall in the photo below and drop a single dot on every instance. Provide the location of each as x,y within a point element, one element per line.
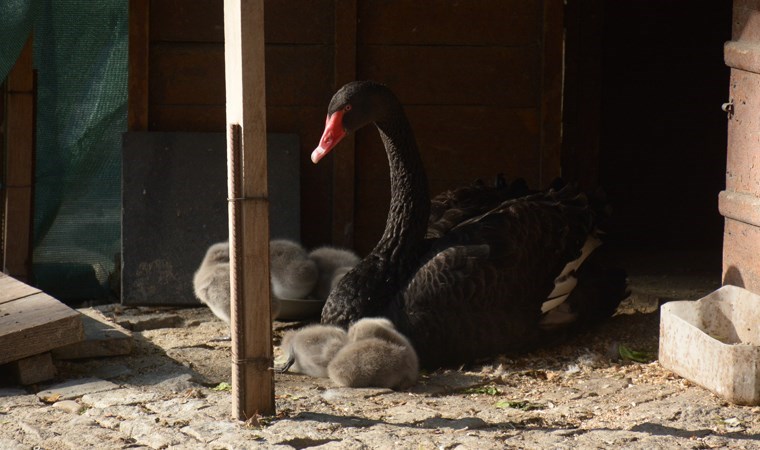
<point>2,170</point>
<point>19,170</point>
<point>472,75</point>
<point>185,82</point>
<point>469,74</point>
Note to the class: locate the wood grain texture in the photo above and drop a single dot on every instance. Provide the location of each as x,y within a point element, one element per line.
<point>440,75</point>
<point>442,22</point>
<point>193,74</point>
<point>251,329</point>
<point>286,21</point>
<point>551,91</point>
<point>139,68</point>
<point>101,338</point>
<point>344,171</point>
<point>35,324</point>
<point>183,21</point>
<point>19,166</point>
<point>34,369</point>
<point>12,289</point>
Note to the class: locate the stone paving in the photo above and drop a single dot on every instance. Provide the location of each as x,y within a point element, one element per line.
<point>168,394</point>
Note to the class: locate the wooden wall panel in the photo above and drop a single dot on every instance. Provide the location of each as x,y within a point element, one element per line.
<point>200,118</point>
<point>443,22</point>
<point>344,162</point>
<point>469,72</point>
<point>551,70</point>
<point>187,74</point>
<point>301,75</point>
<point>193,74</point>
<point>187,21</point>
<point>286,21</point>
<point>474,94</point>
<point>445,75</point>
<point>139,68</point>
<point>487,141</point>
<point>299,22</point>
<point>19,166</point>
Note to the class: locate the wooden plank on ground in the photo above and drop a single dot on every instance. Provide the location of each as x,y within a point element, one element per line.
<point>12,289</point>
<point>35,324</point>
<point>101,338</point>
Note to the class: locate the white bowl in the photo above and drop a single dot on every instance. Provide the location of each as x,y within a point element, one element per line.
<point>715,342</point>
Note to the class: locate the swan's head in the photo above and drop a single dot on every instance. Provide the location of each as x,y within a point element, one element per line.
<point>355,105</point>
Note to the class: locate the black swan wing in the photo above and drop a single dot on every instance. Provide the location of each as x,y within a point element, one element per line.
<point>450,208</point>
<point>480,290</point>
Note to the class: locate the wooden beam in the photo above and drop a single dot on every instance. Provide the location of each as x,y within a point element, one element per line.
<point>552,60</point>
<point>251,327</point>
<point>34,369</point>
<point>344,189</point>
<point>19,167</point>
<point>139,52</point>
<point>33,322</point>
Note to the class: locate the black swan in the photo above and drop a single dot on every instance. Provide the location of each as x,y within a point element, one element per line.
<point>311,348</point>
<point>493,280</point>
<point>376,355</point>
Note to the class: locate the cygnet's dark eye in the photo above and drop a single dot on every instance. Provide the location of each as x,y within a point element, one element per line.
<point>347,107</point>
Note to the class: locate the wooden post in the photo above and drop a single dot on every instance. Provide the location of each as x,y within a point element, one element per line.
<point>20,166</point>
<point>344,160</point>
<point>251,327</point>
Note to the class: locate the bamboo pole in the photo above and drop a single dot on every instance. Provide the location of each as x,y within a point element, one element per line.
<point>251,325</point>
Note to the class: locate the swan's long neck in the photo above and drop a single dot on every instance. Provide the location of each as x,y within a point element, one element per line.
<point>375,285</point>
<point>400,245</point>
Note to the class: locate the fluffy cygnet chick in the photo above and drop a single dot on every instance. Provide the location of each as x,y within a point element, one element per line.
<point>211,282</point>
<point>376,356</point>
<point>311,348</point>
<point>332,263</point>
<point>293,274</point>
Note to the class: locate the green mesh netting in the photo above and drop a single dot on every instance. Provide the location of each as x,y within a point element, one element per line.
<point>80,53</point>
<point>16,19</point>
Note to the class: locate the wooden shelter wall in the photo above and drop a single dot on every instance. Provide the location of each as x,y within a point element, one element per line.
<point>473,93</point>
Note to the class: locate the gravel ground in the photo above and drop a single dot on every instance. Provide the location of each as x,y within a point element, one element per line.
<point>580,394</point>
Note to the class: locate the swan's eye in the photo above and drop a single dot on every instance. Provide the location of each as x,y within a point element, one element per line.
<point>347,108</point>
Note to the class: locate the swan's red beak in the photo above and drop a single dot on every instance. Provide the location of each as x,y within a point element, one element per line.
<point>334,132</point>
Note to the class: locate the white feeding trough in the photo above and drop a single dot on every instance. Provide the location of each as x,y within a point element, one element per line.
<point>715,342</point>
